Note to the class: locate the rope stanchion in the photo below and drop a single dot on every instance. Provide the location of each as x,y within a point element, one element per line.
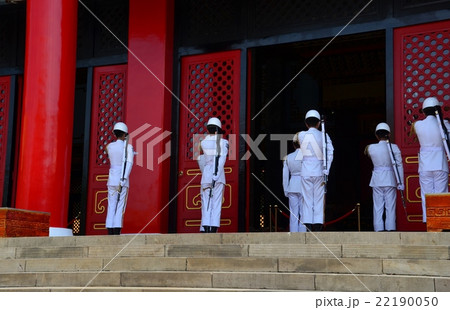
<point>358,208</point>
<point>270,218</point>
<point>276,218</point>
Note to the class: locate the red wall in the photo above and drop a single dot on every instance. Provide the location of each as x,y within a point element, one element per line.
<point>148,102</point>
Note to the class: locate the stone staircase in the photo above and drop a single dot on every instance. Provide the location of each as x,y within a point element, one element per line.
<point>325,261</point>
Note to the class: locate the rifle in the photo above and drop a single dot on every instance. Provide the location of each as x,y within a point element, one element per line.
<point>443,131</point>
<point>216,166</point>
<point>124,167</point>
<point>396,173</point>
<point>324,152</point>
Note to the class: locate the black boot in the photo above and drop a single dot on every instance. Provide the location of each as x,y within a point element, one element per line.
<point>117,230</point>
<point>309,227</point>
<point>214,229</point>
<point>206,229</point>
<point>317,227</point>
<point>110,231</point>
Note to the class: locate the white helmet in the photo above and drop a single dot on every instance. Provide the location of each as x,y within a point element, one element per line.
<point>383,126</point>
<point>121,126</point>
<point>312,113</point>
<point>214,121</point>
<point>430,102</point>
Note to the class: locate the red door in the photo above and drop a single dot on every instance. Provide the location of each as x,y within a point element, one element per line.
<point>210,87</point>
<point>108,101</point>
<point>421,70</point>
<point>5,84</point>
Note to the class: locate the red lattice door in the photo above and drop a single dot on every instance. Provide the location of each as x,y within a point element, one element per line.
<point>108,107</point>
<point>210,85</point>
<point>421,70</point>
<point>5,84</point>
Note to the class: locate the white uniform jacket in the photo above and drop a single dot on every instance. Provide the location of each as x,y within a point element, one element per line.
<point>209,148</point>
<point>432,155</point>
<point>116,156</point>
<point>311,148</point>
<point>292,167</point>
<point>383,172</point>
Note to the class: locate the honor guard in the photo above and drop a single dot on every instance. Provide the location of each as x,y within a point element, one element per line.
<point>313,172</point>
<point>292,186</point>
<point>384,181</point>
<point>433,165</point>
<point>214,151</point>
<point>120,155</point>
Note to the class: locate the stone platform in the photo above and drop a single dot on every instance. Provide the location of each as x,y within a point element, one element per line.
<point>322,261</point>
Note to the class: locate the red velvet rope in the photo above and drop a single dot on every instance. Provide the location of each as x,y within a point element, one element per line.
<point>330,222</point>
<point>340,218</point>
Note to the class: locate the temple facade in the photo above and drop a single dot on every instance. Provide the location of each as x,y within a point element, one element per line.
<point>71,69</point>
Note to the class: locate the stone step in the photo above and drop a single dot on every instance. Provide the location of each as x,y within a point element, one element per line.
<point>372,266</point>
<point>232,250</point>
<point>125,289</point>
<point>338,261</point>
<point>103,251</point>
<point>369,238</point>
<point>393,251</point>
<point>228,280</point>
<point>369,266</point>
<point>396,251</point>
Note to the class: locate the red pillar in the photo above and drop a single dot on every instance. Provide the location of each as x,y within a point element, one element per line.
<point>150,38</point>
<point>47,116</point>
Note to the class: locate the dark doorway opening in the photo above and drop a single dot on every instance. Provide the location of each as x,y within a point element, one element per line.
<point>346,83</point>
<point>76,206</point>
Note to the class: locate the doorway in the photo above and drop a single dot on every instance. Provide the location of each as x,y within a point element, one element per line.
<point>346,83</point>
<point>77,210</point>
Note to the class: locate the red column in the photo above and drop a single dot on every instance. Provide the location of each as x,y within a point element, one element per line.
<point>150,38</point>
<point>47,116</point>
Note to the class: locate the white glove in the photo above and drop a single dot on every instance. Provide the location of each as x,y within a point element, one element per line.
<point>122,182</point>
<point>400,187</point>
<point>286,194</point>
<point>325,172</point>
<point>215,177</point>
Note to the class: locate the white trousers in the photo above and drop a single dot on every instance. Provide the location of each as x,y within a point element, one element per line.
<point>313,200</point>
<point>211,214</point>
<point>296,209</point>
<point>384,198</point>
<point>432,182</point>
<point>116,209</point>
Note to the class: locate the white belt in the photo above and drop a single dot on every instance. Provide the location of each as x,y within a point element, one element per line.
<point>295,173</point>
<point>381,168</point>
<point>311,158</point>
<point>430,148</point>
